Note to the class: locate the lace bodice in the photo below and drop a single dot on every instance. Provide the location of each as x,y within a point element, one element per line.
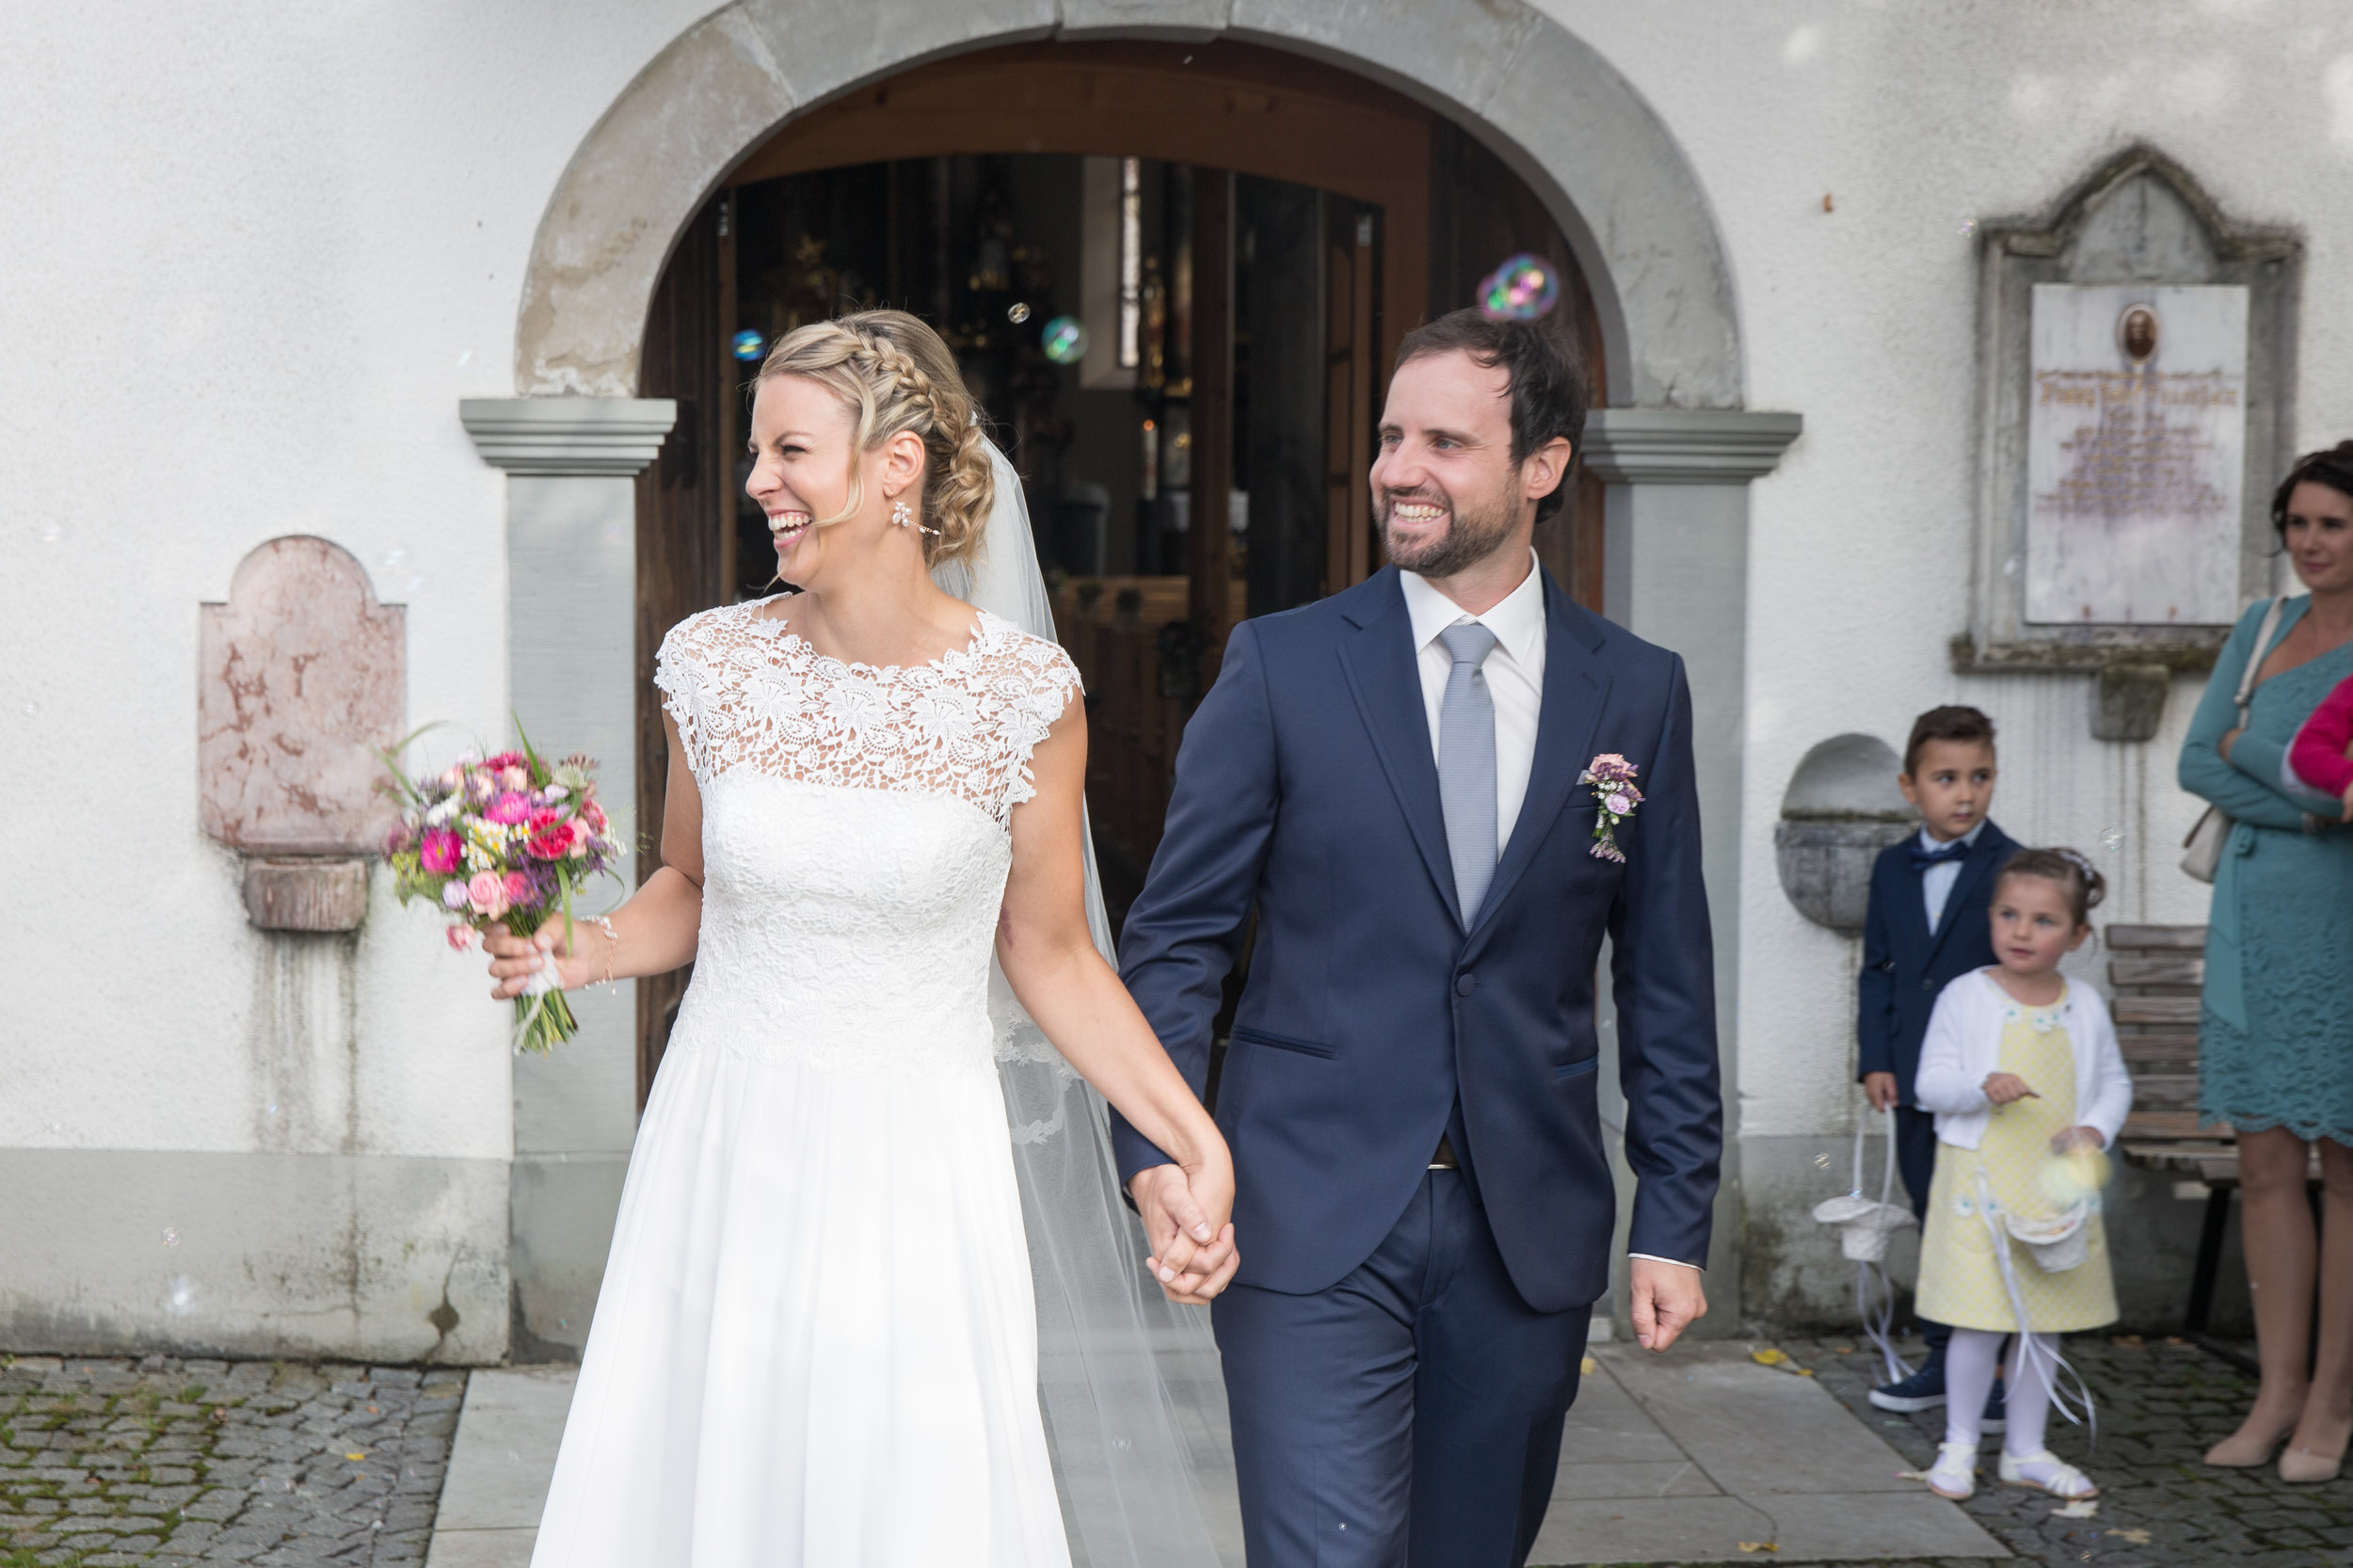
<point>745,691</point>
<point>856,838</point>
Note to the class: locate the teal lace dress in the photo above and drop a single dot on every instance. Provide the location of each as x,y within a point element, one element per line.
<point>2276,1035</point>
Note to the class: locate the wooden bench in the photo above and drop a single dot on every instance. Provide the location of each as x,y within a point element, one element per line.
<point>2156,974</point>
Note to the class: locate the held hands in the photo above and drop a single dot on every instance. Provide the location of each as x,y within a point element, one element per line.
<point>2003,1088</point>
<point>515,959</point>
<point>1879,1089</point>
<point>1187,1221</point>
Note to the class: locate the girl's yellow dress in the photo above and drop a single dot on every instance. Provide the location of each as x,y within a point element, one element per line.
<point>1960,1281</point>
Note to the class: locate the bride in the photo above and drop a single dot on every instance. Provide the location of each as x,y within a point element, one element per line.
<point>817,1339</point>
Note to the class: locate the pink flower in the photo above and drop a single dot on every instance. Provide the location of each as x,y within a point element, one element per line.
<point>518,888</point>
<point>452,776</point>
<point>440,852</point>
<point>509,808</point>
<point>487,892</point>
<point>514,778</point>
<point>460,937</point>
<point>1618,804</point>
<point>454,895</point>
<point>595,813</point>
<point>503,759</point>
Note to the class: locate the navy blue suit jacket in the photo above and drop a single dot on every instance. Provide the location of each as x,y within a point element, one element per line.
<point>1904,967</point>
<point>1307,785</point>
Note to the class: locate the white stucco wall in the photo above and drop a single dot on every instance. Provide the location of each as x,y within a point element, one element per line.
<point>260,255</point>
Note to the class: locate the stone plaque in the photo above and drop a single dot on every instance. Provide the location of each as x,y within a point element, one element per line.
<point>301,674</point>
<point>2137,444</point>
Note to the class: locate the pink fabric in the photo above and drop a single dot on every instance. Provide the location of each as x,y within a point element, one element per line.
<point>2317,753</point>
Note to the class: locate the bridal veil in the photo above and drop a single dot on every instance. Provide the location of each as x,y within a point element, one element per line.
<point>1129,1383</point>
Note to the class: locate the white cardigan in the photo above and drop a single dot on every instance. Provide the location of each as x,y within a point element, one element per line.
<point>1964,1044</point>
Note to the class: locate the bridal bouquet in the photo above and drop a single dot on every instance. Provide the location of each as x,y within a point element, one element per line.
<point>509,840</point>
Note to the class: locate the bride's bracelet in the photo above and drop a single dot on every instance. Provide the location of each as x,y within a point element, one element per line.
<point>613,948</point>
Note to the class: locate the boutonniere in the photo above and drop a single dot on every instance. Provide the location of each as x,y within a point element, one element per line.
<point>1613,778</point>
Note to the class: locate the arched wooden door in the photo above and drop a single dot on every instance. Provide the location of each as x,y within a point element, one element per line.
<point>1306,219</point>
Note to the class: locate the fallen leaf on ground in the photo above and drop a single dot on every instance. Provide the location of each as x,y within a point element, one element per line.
<point>2138,1537</point>
<point>356,1455</point>
<point>1760,1546</point>
<point>1805,1371</point>
<point>1768,1357</point>
<point>1587,1367</point>
<point>2082,1507</point>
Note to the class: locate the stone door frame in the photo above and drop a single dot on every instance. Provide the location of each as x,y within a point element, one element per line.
<point>1675,447</point>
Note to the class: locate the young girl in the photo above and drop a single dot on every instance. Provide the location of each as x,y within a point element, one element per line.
<point>2023,1074</point>
<point>2318,759</point>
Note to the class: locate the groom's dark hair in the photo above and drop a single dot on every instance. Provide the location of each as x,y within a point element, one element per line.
<point>1547,380</point>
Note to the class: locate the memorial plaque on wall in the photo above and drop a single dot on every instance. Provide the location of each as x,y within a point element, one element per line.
<point>2135,452</point>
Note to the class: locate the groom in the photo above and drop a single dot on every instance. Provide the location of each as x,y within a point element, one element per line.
<point>1392,778</point>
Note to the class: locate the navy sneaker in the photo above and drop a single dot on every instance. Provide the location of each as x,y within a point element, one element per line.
<point>1923,1390</point>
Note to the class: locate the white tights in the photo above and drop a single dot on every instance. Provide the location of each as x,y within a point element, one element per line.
<point>1969,1380</point>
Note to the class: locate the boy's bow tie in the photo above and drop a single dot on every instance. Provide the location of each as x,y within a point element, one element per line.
<point>1923,858</point>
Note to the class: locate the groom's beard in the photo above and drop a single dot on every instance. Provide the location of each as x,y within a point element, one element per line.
<point>1472,533</point>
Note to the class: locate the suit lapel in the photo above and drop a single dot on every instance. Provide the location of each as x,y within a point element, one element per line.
<point>1385,680</point>
<point>1577,689</point>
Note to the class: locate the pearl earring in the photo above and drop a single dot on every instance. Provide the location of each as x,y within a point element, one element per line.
<point>902,514</point>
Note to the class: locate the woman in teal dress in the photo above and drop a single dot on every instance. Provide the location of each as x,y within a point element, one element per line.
<point>2276,1035</point>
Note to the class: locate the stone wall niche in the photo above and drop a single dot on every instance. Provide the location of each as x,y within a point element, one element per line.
<point>303,675</point>
<point>1841,809</point>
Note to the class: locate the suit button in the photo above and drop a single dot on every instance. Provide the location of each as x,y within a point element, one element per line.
<point>1465,985</point>
<point>1927,984</point>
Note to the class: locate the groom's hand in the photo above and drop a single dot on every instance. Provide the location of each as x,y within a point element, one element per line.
<point>1667,1298</point>
<point>1191,1261</point>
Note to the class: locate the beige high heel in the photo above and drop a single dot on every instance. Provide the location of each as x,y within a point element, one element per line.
<point>2303,1467</point>
<point>2239,1451</point>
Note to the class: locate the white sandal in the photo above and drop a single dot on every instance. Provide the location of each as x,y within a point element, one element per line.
<point>2059,1479</point>
<point>1955,1473</point>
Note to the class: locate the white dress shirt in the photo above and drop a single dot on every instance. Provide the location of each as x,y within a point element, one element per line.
<point>1515,682</point>
<point>1936,882</point>
<point>1516,677</point>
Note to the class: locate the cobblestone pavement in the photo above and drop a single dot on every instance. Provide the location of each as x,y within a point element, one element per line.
<point>2161,1403</point>
<point>164,1463</point>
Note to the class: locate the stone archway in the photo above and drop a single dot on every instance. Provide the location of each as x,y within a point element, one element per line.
<point>1674,446</point>
<point>1562,115</point>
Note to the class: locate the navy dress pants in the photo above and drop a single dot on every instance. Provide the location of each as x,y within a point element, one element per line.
<point>1915,1161</point>
<point>1410,1415</point>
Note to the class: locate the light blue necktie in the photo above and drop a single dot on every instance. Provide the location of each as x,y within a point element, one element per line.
<point>1466,765</point>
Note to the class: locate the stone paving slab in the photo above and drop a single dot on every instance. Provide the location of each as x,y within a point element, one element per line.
<point>2161,1403</point>
<point>1707,1455</point>
<point>164,1463</point>
<point>500,1467</point>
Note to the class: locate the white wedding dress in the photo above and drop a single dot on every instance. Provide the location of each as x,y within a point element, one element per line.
<point>817,1340</point>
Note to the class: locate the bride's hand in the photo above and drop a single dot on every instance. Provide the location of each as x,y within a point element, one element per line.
<point>515,959</point>
<point>1187,1221</point>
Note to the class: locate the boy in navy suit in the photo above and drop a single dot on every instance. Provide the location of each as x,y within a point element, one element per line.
<point>1927,924</point>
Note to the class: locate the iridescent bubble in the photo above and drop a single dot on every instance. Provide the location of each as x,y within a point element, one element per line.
<point>171,1236</point>
<point>1522,289</point>
<point>32,708</point>
<point>182,1299</point>
<point>748,345</point>
<point>2113,840</point>
<point>51,532</point>
<point>1822,1161</point>
<point>1066,340</point>
<point>2013,566</point>
<point>1968,225</point>
<point>1016,312</point>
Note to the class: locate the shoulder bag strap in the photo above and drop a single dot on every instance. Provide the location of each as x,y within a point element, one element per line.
<point>2255,659</point>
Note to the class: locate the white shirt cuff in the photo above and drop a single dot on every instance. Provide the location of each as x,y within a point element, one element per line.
<point>1676,1261</point>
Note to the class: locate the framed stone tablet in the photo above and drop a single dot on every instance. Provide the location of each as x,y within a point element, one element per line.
<point>2136,355</point>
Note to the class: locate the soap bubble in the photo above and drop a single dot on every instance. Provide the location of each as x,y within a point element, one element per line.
<point>181,1298</point>
<point>1066,340</point>
<point>51,532</point>
<point>1522,289</point>
<point>2113,840</point>
<point>269,1110</point>
<point>32,708</point>
<point>1822,1161</point>
<point>1016,312</point>
<point>171,1236</point>
<point>747,346</point>
<point>463,357</point>
<point>2013,566</point>
<point>1968,225</point>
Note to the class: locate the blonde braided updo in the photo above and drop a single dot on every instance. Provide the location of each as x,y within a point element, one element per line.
<point>896,374</point>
